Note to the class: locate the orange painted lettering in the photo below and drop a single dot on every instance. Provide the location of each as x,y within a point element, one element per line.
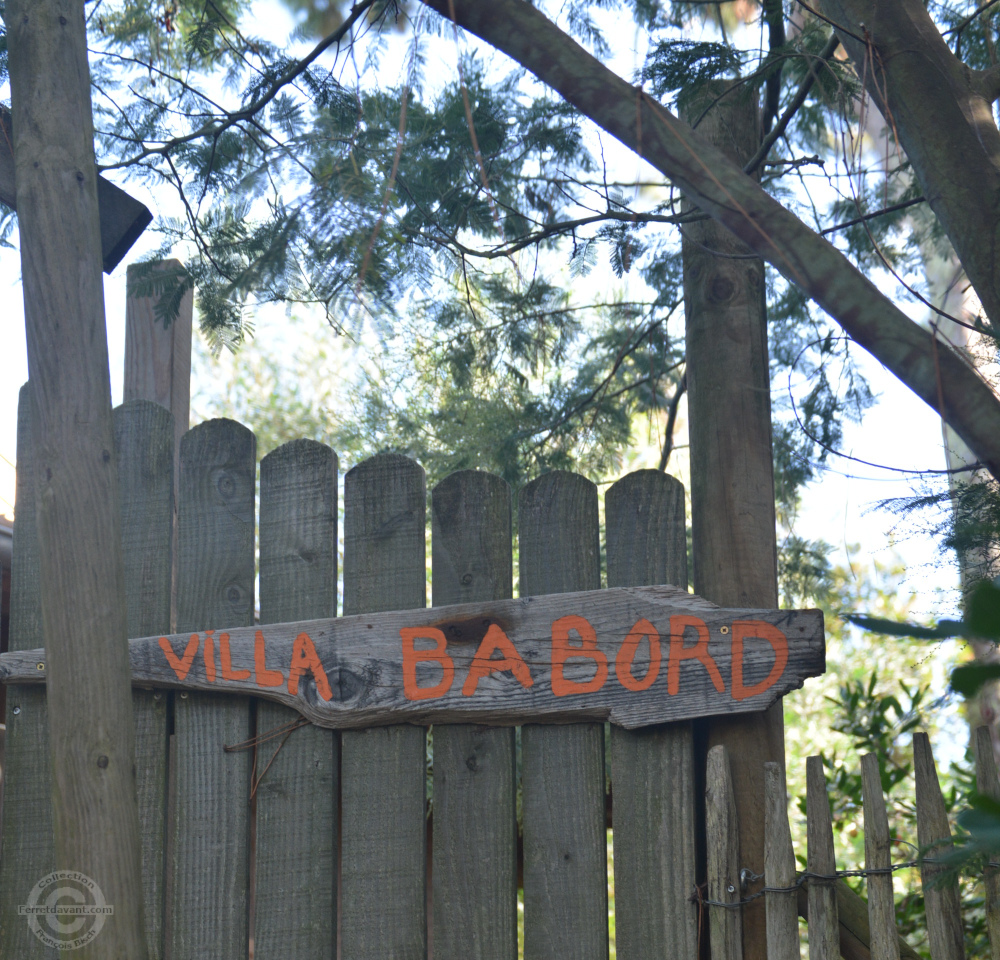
<point>209,654</point>
<point>698,651</point>
<point>412,656</point>
<point>626,655</point>
<point>764,631</point>
<point>483,663</point>
<point>262,676</point>
<point>305,657</point>
<point>563,651</point>
<point>228,673</point>
<point>181,667</point>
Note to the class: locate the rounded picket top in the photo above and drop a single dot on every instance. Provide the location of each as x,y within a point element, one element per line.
<point>215,525</point>
<point>646,531</point>
<point>471,517</point>
<point>385,505</point>
<point>558,534</point>
<point>298,532</point>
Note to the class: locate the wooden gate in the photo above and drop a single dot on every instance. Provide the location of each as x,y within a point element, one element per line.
<point>325,837</point>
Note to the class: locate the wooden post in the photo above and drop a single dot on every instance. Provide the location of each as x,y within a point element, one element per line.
<point>779,870</point>
<point>723,856</point>
<point>824,922</point>
<point>878,857</point>
<point>95,816</point>
<point>732,477</point>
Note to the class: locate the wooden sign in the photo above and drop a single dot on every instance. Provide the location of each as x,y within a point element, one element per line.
<point>634,656</point>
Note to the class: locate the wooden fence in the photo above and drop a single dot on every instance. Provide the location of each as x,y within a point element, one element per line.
<point>317,844</point>
<point>819,893</point>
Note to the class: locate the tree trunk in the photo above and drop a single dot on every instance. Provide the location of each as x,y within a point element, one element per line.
<point>96,823</point>
<point>732,474</point>
<point>940,377</point>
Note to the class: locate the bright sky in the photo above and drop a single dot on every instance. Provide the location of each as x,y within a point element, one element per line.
<point>900,431</point>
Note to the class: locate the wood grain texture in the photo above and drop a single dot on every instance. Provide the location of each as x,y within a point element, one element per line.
<point>91,732</point>
<point>297,800</point>
<point>878,856</point>
<point>734,554</point>
<point>779,869</point>
<point>652,770</point>
<point>474,856</point>
<point>722,846</point>
<point>210,829</point>
<point>562,769</point>
<point>689,669</point>
<point>144,444</point>
<point>383,835</point>
<point>824,922</point>
<point>988,784</point>
<point>158,357</point>
<point>944,906</point>
<point>27,825</point>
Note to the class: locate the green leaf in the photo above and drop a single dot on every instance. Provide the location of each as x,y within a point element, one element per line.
<point>984,610</point>
<point>896,628</point>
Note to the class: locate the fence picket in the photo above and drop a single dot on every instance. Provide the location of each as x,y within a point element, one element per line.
<point>297,798</point>
<point>383,770</point>
<point>144,443</point>
<point>942,901</point>
<point>27,817</point>
<point>779,868</point>
<point>652,770</point>
<point>878,856</point>
<point>824,921</point>
<point>725,925</point>
<point>210,828</point>
<point>562,767</point>
<point>474,856</point>
<point>988,784</point>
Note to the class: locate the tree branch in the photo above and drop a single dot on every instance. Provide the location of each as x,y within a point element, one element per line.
<point>722,190</point>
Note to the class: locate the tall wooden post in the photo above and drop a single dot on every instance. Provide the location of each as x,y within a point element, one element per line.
<point>732,476</point>
<point>96,824</point>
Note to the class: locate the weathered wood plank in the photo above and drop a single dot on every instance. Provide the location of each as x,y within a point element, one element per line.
<point>27,825</point>
<point>295,904</point>
<point>722,840</point>
<point>210,829</point>
<point>652,770</point>
<point>474,856</point>
<point>383,834</point>
<point>562,769</point>
<point>824,922</point>
<point>988,784</point>
<point>878,856</point>
<point>779,869</point>
<point>415,666</point>
<point>144,442</point>
<point>944,906</point>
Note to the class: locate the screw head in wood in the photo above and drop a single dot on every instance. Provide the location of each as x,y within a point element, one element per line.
<point>17,710</point>
<point>723,630</point>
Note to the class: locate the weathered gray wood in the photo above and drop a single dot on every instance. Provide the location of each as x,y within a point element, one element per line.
<point>824,921</point>
<point>988,784</point>
<point>878,856</point>
<point>383,836</point>
<point>944,906</point>
<point>562,769</point>
<point>652,770</point>
<point>779,869</point>
<point>144,444</point>
<point>123,218</point>
<point>732,475</point>
<point>722,843</point>
<point>91,733</point>
<point>474,875</point>
<point>386,668</point>
<point>210,829</point>
<point>296,863</point>
<point>27,825</point>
